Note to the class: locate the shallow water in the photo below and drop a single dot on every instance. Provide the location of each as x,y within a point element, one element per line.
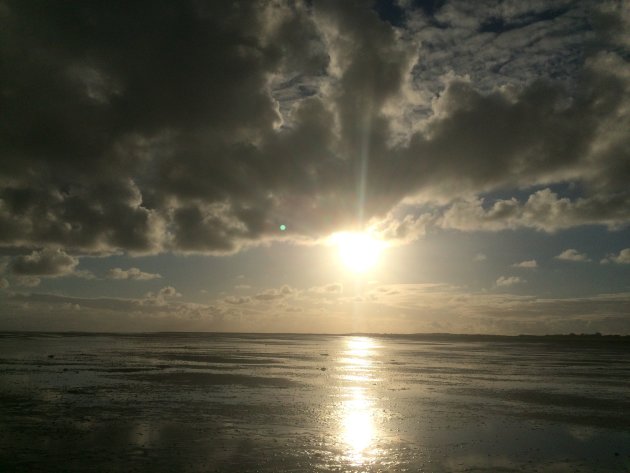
<point>299,403</point>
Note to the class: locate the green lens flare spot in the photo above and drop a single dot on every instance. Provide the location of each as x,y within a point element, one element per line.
<point>283,227</point>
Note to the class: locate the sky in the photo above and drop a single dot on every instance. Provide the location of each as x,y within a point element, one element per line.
<point>194,165</point>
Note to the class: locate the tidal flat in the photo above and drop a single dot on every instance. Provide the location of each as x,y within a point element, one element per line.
<point>182,402</point>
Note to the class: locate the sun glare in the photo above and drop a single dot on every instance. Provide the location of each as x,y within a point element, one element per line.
<point>358,252</point>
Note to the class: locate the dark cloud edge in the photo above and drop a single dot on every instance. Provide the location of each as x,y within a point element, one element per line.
<point>127,167</point>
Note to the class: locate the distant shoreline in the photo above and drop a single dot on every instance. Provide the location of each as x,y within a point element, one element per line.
<point>582,337</point>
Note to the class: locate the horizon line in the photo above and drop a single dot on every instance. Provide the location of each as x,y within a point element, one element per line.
<point>597,335</point>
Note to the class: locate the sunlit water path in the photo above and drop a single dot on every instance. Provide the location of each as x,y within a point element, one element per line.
<point>302,403</point>
<point>357,411</point>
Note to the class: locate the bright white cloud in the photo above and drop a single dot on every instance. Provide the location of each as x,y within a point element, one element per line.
<point>507,281</point>
<point>622,258</point>
<point>572,255</point>
<point>528,264</point>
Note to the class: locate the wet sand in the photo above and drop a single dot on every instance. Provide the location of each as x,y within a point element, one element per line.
<point>300,403</point>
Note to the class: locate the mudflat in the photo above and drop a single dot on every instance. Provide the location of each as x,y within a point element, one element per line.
<point>300,403</point>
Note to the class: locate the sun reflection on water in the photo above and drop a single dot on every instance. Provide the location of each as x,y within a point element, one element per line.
<point>358,429</point>
<point>360,347</point>
<point>358,426</point>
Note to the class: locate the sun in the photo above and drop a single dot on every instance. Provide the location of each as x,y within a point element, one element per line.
<point>358,251</point>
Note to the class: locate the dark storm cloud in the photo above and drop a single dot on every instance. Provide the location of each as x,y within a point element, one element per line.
<point>480,142</point>
<point>89,88</point>
<point>201,126</point>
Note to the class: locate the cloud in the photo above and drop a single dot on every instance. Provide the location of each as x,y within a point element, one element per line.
<point>480,257</point>
<point>168,291</point>
<point>83,274</point>
<point>28,270</point>
<point>332,288</point>
<point>217,130</point>
<point>507,281</point>
<point>622,258</point>
<point>403,308</point>
<point>403,230</point>
<point>431,308</point>
<point>543,210</point>
<point>20,311</point>
<point>131,273</point>
<point>572,255</point>
<point>529,264</point>
<point>237,300</point>
<point>275,294</point>
<point>162,297</point>
<point>46,262</point>
<point>327,291</point>
<point>28,281</point>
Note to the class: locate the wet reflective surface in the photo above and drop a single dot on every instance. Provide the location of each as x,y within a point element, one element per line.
<point>357,411</point>
<point>312,403</point>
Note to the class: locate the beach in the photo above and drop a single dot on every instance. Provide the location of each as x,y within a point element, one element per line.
<point>300,403</point>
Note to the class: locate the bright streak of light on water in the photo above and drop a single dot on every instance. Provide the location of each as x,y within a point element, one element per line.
<point>358,429</point>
